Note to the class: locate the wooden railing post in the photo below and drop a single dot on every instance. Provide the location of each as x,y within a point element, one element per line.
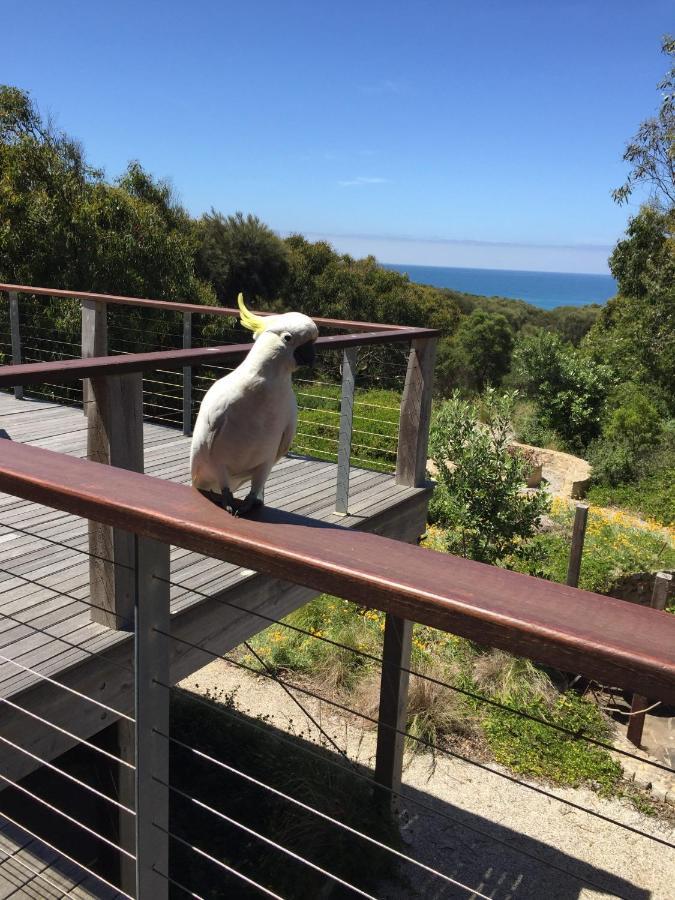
<point>636,722</point>
<point>94,339</point>
<point>346,422</point>
<point>114,437</point>
<point>577,547</point>
<point>411,467</point>
<point>392,718</point>
<point>151,601</point>
<point>187,376</point>
<point>413,437</point>
<point>15,337</point>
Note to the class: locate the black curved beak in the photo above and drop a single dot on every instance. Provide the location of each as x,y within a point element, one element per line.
<point>305,354</point>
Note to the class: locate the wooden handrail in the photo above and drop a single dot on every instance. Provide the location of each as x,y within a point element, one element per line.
<point>605,639</point>
<point>197,308</point>
<point>65,370</point>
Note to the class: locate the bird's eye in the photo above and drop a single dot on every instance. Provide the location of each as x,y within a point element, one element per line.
<point>286,337</point>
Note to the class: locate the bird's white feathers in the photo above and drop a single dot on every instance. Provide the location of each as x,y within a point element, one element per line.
<point>247,419</point>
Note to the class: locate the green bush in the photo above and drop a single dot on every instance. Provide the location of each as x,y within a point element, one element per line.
<point>481,502</point>
<point>632,417</point>
<point>438,714</point>
<point>568,388</point>
<point>529,429</point>
<point>614,461</point>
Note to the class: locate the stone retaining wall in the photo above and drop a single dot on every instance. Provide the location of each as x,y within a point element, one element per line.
<point>567,475</point>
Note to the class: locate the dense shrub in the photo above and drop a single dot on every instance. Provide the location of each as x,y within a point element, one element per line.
<point>569,389</point>
<point>481,501</point>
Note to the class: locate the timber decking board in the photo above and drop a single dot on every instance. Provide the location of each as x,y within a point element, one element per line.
<point>30,870</point>
<point>45,586</point>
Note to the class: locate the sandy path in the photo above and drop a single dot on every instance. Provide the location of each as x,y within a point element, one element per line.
<point>483,820</point>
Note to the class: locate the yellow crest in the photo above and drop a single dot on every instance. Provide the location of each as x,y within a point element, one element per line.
<point>249,320</point>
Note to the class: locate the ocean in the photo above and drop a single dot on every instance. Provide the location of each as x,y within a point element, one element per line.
<point>543,289</point>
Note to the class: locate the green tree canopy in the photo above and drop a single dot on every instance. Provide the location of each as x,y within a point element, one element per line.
<point>62,225</point>
<point>240,253</point>
<point>569,388</point>
<point>635,332</point>
<point>480,353</point>
<point>480,498</point>
<point>651,152</point>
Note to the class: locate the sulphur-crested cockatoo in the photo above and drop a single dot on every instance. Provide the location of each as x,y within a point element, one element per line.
<point>247,419</point>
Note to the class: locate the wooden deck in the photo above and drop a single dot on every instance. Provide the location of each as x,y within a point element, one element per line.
<point>30,870</point>
<point>46,630</point>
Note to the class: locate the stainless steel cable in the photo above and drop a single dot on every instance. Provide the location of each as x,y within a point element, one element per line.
<point>219,863</point>
<point>68,776</point>
<point>390,792</point>
<point>271,843</point>
<point>66,816</point>
<point>75,737</point>
<point>177,884</point>
<point>62,853</point>
<point>307,808</point>
<point>577,735</point>
<point>300,706</point>
<point>65,687</point>
<point>428,744</point>
<point>15,859</point>
<point>47,540</point>
<point>47,633</point>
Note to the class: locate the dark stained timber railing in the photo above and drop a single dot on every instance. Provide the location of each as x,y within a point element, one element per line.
<point>597,636</point>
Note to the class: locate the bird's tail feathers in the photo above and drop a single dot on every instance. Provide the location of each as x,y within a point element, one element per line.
<point>249,320</point>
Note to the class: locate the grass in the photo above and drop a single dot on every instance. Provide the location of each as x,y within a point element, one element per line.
<point>438,714</point>
<point>375,424</point>
<point>616,544</point>
<point>652,496</point>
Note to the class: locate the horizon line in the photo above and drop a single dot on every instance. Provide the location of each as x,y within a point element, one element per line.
<point>383,262</point>
<point>472,242</point>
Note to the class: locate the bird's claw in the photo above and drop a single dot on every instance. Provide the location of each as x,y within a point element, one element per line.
<point>249,503</point>
<point>229,503</point>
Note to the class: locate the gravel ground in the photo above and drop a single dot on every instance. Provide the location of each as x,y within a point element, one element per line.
<point>500,839</point>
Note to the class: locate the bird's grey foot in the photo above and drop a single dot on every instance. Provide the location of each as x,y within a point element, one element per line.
<point>250,502</point>
<point>229,502</point>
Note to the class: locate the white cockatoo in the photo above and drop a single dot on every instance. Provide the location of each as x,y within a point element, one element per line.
<point>247,419</point>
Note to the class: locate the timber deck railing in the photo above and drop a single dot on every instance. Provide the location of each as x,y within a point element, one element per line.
<point>604,639</point>
<point>337,420</point>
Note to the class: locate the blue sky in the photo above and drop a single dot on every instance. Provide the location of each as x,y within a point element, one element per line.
<point>485,133</point>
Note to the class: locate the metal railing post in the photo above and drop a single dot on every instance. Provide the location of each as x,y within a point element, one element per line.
<point>577,547</point>
<point>15,337</point>
<point>152,623</point>
<point>393,713</point>
<point>636,723</point>
<point>187,376</point>
<point>346,422</point>
<point>94,340</point>
<point>413,438</point>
